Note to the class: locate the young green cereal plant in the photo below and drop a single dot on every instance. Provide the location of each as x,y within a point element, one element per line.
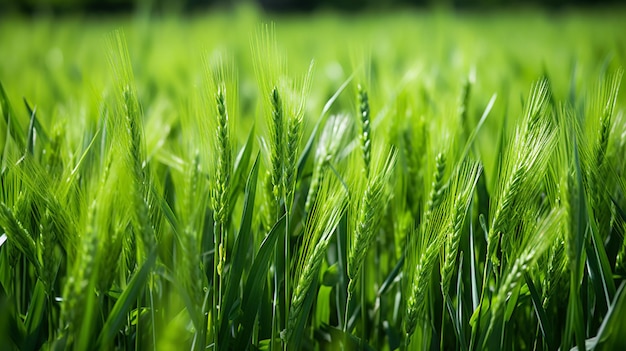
<point>292,147</point>
<point>574,221</point>
<point>420,268</point>
<point>461,193</point>
<point>537,238</point>
<point>294,135</point>
<point>121,188</point>
<point>47,256</point>
<point>372,195</point>
<point>365,136</point>
<point>523,167</point>
<point>223,87</point>
<point>131,119</point>
<point>331,139</point>
<point>596,158</point>
<point>326,213</point>
<point>18,236</point>
<point>269,67</point>
<point>422,250</point>
<point>287,102</point>
<point>78,288</point>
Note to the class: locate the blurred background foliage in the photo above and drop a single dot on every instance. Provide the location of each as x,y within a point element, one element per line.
<point>158,6</point>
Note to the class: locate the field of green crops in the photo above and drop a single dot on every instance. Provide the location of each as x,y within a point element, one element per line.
<point>232,181</point>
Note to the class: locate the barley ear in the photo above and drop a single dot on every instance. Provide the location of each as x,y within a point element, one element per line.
<point>437,187</point>
<point>276,144</point>
<point>48,241</point>
<point>365,137</point>
<point>327,212</point>
<point>294,134</point>
<point>18,235</point>
<point>224,162</point>
<point>132,121</point>
<point>76,290</point>
<point>370,212</point>
<point>463,189</point>
<point>329,143</point>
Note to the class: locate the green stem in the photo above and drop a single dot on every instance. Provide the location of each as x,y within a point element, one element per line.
<point>214,308</point>
<point>443,318</point>
<point>345,316</point>
<point>363,307</point>
<point>152,319</point>
<point>486,274</point>
<point>287,260</point>
<point>274,311</point>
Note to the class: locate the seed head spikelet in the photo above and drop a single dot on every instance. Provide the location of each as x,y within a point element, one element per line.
<point>328,146</point>
<point>269,67</point>
<point>17,235</point>
<point>224,158</point>
<point>76,286</point>
<point>222,177</point>
<point>327,211</point>
<point>596,158</point>
<point>437,187</point>
<point>415,141</point>
<point>609,92</point>
<point>47,242</point>
<point>152,199</point>
<point>466,93</point>
<point>423,249</point>
<point>132,121</point>
<point>463,186</point>
<point>276,144</point>
<point>365,137</point>
<point>555,280</point>
<point>110,221</point>
<point>191,189</point>
<point>540,236</point>
<point>193,276</point>
<point>524,165</point>
<point>372,205</point>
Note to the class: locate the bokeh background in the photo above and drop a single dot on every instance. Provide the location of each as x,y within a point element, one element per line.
<point>157,6</point>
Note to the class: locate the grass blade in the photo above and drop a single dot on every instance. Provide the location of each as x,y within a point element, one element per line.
<point>257,277</point>
<point>34,318</point>
<point>542,317</point>
<point>124,303</point>
<point>613,328</point>
<point>239,252</point>
<point>10,119</point>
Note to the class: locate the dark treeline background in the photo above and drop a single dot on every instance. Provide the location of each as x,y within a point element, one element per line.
<point>97,6</point>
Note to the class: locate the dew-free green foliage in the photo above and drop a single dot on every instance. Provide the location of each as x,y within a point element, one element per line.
<point>411,181</point>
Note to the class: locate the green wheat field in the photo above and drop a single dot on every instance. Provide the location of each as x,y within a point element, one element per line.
<point>241,181</point>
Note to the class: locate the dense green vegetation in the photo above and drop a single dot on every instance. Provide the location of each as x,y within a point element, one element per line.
<point>400,181</point>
